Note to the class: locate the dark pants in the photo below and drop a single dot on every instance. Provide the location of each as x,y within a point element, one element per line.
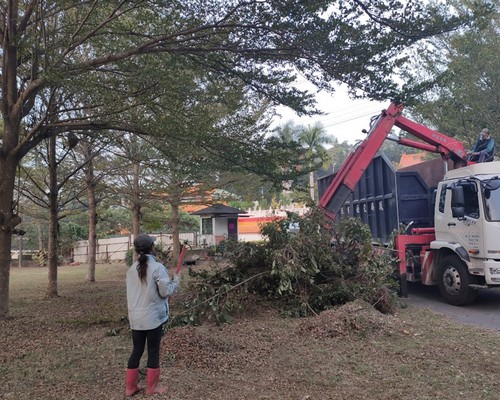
<point>139,339</point>
<point>483,156</point>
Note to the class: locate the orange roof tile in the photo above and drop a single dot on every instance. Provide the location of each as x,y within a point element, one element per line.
<point>411,159</point>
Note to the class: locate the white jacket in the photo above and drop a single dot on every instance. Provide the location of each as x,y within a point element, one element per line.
<point>147,301</point>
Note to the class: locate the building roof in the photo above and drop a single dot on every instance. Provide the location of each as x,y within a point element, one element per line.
<point>219,210</point>
<point>411,159</point>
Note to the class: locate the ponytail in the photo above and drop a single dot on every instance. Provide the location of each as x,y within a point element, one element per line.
<point>144,245</point>
<point>142,268</point>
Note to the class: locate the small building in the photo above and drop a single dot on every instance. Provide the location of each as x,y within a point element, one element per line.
<point>218,222</point>
<point>250,225</point>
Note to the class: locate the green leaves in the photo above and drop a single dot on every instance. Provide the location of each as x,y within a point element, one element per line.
<point>458,76</point>
<point>302,272</point>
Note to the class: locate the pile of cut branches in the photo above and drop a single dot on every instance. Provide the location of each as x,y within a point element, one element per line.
<point>303,271</point>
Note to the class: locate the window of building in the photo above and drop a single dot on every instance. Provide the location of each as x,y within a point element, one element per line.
<point>206,226</point>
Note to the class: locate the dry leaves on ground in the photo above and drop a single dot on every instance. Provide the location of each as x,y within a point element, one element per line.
<point>76,347</point>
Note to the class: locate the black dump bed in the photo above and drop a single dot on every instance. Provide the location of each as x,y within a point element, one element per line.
<point>385,198</point>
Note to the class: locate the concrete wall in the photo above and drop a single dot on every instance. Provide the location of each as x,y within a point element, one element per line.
<point>206,241</point>
<point>115,249</point>
<point>250,237</point>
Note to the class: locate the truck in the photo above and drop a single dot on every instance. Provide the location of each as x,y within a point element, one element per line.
<point>442,216</point>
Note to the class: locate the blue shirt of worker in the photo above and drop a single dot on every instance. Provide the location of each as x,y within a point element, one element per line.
<point>484,149</point>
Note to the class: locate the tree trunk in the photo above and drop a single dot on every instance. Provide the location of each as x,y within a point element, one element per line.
<point>175,234</point>
<point>9,158</point>
<point>311,185</point>
<point>8,220</point>
<point>92,251</point>
<point>40,234</point>
<point>5,258</point>
<point>53,220</point>
<point>92,212</point>
<point>20,259</point>
<point>136,205</point>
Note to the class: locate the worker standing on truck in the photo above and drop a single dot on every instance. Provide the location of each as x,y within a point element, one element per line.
<point>484,150</point>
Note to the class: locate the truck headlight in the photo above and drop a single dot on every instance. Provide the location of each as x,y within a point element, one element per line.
<point>494,271</point>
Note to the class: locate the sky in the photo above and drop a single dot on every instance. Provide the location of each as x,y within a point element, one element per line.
<point>344,117</point>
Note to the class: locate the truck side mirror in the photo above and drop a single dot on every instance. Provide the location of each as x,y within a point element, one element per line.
<point>457,202</point>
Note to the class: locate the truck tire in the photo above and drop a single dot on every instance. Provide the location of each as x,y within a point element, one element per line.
<point>454,282</point>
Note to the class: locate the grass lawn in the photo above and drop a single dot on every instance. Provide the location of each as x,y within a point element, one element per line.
<point>76,347</point>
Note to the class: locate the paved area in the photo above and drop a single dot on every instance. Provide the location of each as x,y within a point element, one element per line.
<point>484,313</point>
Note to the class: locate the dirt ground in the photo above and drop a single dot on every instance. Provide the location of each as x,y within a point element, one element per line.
<point>76,347</point>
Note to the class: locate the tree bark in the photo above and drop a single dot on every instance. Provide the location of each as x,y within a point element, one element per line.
<point>7,221</point>
<point>5,243</point>
<point>92,212</point>
<point>40,234</point>
<point>20,259</point>
<point>176,248</point>
<point>136,204</point>
<point>92,251</point>
<point>311,185</point>
<point>9,158</point>
<point>53,220</point>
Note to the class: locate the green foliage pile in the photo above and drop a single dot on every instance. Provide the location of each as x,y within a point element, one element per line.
<point>303,271</point>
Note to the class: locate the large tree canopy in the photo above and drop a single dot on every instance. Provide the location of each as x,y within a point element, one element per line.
<point>73,64</point>
<point>461,75</point>
<point>261,43</point>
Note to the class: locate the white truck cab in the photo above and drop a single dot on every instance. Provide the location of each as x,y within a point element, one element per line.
<point>467,230</point>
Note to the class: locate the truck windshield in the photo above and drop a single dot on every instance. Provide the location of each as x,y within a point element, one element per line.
<point>491,195</point>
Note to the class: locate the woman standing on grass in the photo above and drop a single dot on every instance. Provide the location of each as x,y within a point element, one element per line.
<point>148,289</point>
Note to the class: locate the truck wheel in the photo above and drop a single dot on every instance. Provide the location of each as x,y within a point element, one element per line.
<point>454,281</point>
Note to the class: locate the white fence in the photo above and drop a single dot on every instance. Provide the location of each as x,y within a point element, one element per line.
<point>115,249</point>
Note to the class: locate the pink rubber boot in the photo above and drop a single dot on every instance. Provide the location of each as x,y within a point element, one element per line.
<point>152,378</point>
<point>132,387</point>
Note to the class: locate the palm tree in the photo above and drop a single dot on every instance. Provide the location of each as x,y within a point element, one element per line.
<point>289,132</point>
<point>313,138</point>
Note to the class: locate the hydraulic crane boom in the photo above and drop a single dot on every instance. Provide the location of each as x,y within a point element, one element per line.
<point>356,163</point>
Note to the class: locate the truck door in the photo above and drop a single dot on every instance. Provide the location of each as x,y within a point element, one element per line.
<point>466,230</point>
